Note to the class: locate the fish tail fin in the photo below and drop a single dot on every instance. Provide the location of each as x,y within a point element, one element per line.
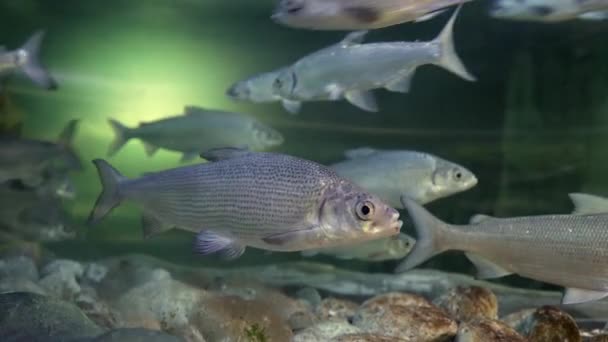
<point>111,196</point>
<point>448,57</point>
<point>121,136</point>
<point>429,230</point>
<point>32,67</point>
<point>66,140</point>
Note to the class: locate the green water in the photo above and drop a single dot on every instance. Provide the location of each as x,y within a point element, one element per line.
<point>533,128</point>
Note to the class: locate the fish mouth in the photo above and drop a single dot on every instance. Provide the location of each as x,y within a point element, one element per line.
<point>277,17</point>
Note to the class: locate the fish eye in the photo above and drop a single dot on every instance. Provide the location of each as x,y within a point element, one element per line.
<point>365,210</point>
<point>293,6</point>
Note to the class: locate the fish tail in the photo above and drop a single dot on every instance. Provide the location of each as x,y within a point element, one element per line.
<point>66,140</point>
<point>32,67</point>
<point>429,230</point>
<point>111,195</point>
<point>121,136</point>
<point>448,57</point>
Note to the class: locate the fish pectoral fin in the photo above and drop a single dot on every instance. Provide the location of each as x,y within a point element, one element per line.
<point>487,269</point>
<point>224,153</point>
<point>360,152</point>
<point>575,296</point>
<point>429,16</point>
<point>292,107</point>
<point>188,156</point>
<point>287,238</point>
<point>363,14</point>
<point>353,38</point>
<point>362,99</point>
<point>478,218</point>
<point>586,204</point>
<point>150,149</point>
<point>152,225</point>
<point>402,84</point>
<point>208,242</point>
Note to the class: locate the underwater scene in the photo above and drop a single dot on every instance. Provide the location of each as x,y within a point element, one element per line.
<point>304,170</point>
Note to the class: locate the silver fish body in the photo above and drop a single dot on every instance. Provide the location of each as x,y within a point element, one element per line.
<point>196,131</point>
<point>26,60</point>
<point>566,250</point>
<point>30,160</point>
<point>350,70</point>
<point>264,200</point>
<point>550,11</point>
<point>391,174</point>
<point>391,248</point>
<point>356,14</point>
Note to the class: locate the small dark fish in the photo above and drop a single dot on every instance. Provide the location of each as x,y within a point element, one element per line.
<point>265,200</point>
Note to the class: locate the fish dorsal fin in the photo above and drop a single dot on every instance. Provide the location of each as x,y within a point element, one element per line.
<point>353,38</point>
<point>194,110</point>
<point>487,269</point>
<point>361,152</point>
<point>575,296</point>
<point>586,204</point>
<point>224,153</point>
<point>478,218</point>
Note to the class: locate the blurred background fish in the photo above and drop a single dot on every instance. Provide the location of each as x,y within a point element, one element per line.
<point>391,248</point>
<point>356,14</point>
<point>550,10</point>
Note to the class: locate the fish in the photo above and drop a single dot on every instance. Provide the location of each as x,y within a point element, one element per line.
<point>391,174</point>
<point>351,15</point>
<point>568,250</point>
<point>350,69</point>
<point>241,198</point>
<point>27,60</point>
<point>550,11</point>
<point>197,130</point>
<point>258,89</point>
<point>28,160</point>
<point>391,248</point>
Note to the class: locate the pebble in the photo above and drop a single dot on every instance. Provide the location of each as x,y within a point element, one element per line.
<point>326,331</point>
<point>487,330</point>
<point>333,308</point>
<point>467,303</point>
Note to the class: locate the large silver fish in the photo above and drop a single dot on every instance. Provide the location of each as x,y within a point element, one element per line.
<point>566,250</point>
<point>356,14</point>
<point>264,200</point>
<point>30,160</point>
<point>196,131</point>
<point>391,174</point>
<point>26,60</point>
<point>390,248</point>
<point>550,10</point>
<point>350,70</point>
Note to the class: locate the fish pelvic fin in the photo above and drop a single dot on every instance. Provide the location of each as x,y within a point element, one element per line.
<point>32,67</point>
<point>487,269</point>
<point>448,58</point>
<point>111,195</point>
<point>121,136</point>
<point>429,241</point>
<point>66,140</point>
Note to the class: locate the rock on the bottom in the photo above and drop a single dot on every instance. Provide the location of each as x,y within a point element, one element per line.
<point>366,338</point>
<point>324,332</point>
<point>410,323</point>
<point>487,330</point>
<point>31,317</point>
<point>467,303</point>
<point>545,324</point>
<point>333,308</point>
<point>598,338</point>
<point>134,335</point>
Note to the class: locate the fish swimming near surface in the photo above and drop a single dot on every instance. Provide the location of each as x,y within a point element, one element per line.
<point>350,70</point>
<point>566,250</point>
<point>391,174</point>
<point>27,60</point>
<point>258,89</point>
<point>30,160</point>
<point>198,130</point>
<point>550,10</point>
<point>240,198</point>
<point>390,248</point>
<point>356,14</point>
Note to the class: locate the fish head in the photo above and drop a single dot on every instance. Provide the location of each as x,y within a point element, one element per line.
<point>537,10</point>
<point>350,214</point>
<point>401,245</point>
<point>257,89</point>
<point>292,12</point>
<point>285,84</point>
<point>449,178</point>
<point>266,136</point>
